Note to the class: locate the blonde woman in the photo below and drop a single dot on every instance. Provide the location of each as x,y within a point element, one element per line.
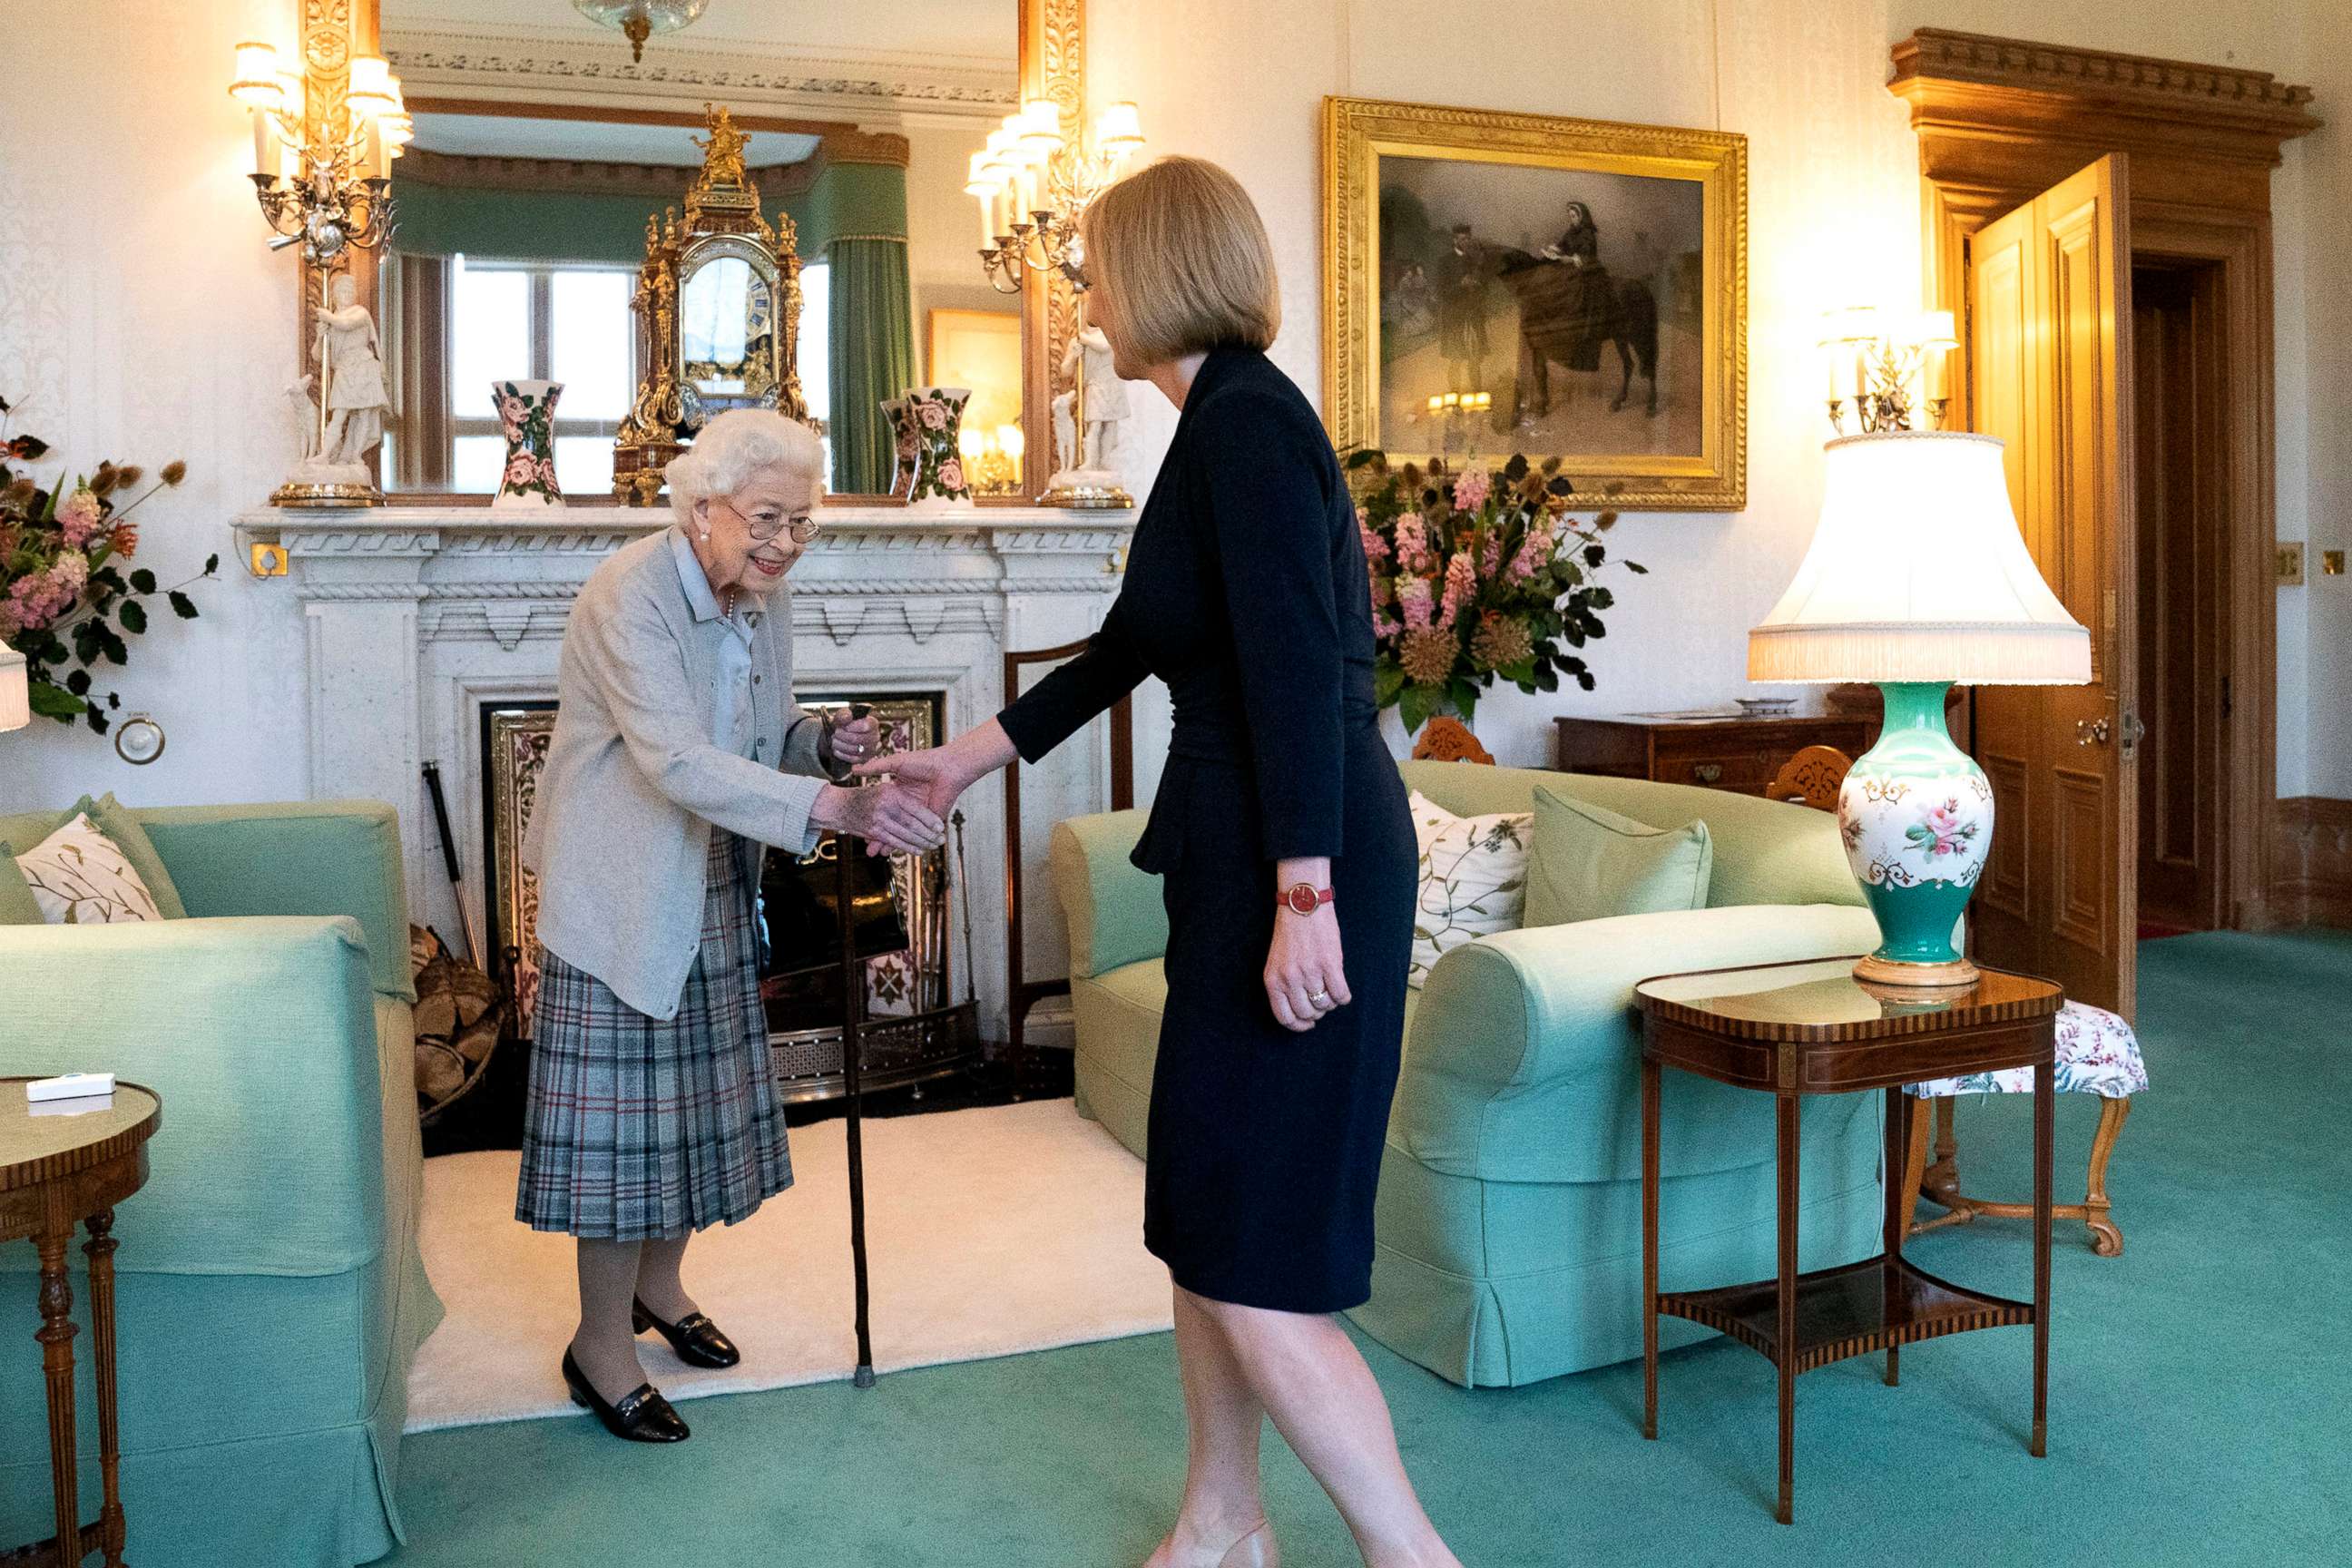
<point>1282,833</point>
<point>678,753</point>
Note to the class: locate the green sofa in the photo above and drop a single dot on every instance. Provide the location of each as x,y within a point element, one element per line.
<point>270,1296</point>
<point>1509,1210</point>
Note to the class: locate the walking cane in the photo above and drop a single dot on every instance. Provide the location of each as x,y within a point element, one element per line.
<point>449,863</point>
<point>851,994</point>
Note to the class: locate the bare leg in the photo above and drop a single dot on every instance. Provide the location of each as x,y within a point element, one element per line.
<point>660,1286</point>
<point>1313,1382</point>
<point>606,1346</point>
<point>1221,1501</point>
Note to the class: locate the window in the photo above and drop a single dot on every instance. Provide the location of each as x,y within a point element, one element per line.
<point>515,321</point>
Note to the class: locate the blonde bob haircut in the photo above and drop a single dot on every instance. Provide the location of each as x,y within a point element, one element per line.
<point>1180,263</point>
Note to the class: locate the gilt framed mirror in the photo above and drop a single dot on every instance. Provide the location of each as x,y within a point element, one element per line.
<point>542,151</point>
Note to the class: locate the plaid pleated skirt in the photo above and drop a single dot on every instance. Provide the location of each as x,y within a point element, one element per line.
<point>637,1127</point>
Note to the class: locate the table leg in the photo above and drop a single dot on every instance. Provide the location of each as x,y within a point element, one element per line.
<point>1649,1247</point>
<point>100,1251</point>
<point>1785,1119</point>
<point>1895,1171</point>
<point>56,1336</point>
<point>2044,1138</point>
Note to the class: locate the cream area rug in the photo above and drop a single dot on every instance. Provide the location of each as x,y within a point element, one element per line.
<point>1009,1228</point>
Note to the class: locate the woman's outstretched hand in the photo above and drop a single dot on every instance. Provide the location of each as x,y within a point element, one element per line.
<point>887,817</point>
<point>938,776</point>
<point>1306,972</point>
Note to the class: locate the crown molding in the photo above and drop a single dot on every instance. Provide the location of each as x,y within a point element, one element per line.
<point>539,62</point>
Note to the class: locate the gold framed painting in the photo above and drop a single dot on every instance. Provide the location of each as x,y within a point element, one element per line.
<point>1574,288</point>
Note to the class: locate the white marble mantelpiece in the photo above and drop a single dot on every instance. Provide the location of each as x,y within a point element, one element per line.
<point>417,615</point>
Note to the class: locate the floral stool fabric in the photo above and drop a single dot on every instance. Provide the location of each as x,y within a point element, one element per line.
<point>2097,1054</point>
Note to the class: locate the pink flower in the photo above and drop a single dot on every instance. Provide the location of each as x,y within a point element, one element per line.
<point>1411,542</point>
<point>1375,547</point>
<point>547,474</point>
<point>1470,491</point>
<point>9,626</point>
<point>70,575</point>
<point>1413,594</point>
<point>951,475</point>
<point>511,409</point>
<point>933,414</point>
<point>79,517</point>
<point>521,468</point>
<point>1460,584</point>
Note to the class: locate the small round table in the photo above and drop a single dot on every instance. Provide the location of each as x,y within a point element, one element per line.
<point>59,1168</point>
<point>1794,1029</point>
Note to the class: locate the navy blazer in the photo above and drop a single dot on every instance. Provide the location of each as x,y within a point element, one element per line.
<point>1246,591</point>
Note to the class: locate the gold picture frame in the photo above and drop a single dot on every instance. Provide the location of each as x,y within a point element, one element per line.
<point>1439,277</point>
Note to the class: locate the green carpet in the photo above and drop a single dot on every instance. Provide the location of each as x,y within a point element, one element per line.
<point>2200,1403</point>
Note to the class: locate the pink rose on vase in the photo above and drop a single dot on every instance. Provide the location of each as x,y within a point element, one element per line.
<point>546,473</point>
<point>79,516</point>
<point>521,468</point>
<point>511,410</point>
<point>933,414</point>
<point>951,475</point>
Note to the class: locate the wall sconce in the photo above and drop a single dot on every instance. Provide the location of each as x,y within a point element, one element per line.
<point>1888,364</point>
<point>1033,184</point>
<point>333,192</point>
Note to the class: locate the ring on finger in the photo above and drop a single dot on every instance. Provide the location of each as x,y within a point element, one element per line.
<point>1321,999</point>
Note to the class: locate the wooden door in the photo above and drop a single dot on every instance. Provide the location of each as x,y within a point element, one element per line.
<point>2179,413</point>
<point>2049,367</point>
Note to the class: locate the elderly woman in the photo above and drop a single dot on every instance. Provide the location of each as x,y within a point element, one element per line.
<point>678,753</point>
<point>1287,854</point>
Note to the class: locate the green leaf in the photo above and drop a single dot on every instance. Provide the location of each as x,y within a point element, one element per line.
<point>96,720</point>
<point>54,701</point>
<point>1414,707</point>
<point>1636,568</point>
<point>211,565</point>
<point>134,616</point>
<point>78,682</point>
<point>113,647</point>
<point>182,606</point>
<point>1388,680</point>
<point>143,581</point>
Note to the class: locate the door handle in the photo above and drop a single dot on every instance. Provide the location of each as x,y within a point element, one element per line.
<point>2133,732</point>
<point>2091,732</point>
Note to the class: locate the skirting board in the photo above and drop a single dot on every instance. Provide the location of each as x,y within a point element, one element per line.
<point>2311,862</point>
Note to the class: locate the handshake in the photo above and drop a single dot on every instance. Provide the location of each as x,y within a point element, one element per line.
<point>905,812</point>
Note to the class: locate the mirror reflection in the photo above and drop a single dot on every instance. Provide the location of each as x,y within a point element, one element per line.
<point>538,165</point>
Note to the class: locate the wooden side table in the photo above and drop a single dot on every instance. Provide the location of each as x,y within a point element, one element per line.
<point>58,1170</point>
<point>1794,1029</point>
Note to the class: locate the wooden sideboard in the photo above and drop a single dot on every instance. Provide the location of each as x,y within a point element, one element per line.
<point>1733,754</point>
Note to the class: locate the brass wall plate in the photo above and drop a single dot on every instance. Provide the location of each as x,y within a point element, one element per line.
<point>2331,563</point>
<point>267,561</point>
<point>2290,564</point>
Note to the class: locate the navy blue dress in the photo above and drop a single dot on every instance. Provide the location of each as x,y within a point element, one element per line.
<point>1247,592</point>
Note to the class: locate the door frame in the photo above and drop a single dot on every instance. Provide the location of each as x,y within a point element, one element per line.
<point>2000,120</point>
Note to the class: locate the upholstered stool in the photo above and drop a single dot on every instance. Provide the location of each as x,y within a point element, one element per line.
<point>2097,1054</point>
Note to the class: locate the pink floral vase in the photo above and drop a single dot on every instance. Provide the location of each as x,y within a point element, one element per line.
<point>935,419</point>
<point>527,410</point>
<point>903,444</point>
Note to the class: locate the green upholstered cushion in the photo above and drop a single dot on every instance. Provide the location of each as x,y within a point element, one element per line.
<point>17,905</point>
<point>1114,910</point>
<point>119,823</point>
<point>1588,863</point>
<point>1766,851</point>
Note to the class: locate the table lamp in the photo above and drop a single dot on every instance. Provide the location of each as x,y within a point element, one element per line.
<point>1918,577</point>
<point>15,690</point>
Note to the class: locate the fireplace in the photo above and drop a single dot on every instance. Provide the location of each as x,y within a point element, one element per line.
<point>916,1019</point>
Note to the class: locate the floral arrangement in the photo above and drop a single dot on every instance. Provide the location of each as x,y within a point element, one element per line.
<point>66,603</point>
<point>1476,575</point>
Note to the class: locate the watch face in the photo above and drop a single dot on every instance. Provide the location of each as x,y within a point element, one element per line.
<point>1301,898</point>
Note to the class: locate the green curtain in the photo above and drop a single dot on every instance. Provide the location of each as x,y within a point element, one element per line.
<point>872,347</point>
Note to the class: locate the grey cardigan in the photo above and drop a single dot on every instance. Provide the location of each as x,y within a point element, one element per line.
<point>634,781</point>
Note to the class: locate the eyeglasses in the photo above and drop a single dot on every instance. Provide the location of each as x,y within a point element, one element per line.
<point>802,528</point>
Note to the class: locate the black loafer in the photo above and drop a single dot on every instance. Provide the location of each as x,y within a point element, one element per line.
<point>643,1417</point>
<point>695,1338</point>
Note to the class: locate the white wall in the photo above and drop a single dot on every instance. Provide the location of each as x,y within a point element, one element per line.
<point>141,318</point>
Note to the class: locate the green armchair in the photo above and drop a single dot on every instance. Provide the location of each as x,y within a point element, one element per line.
<point>271,1294</point>
<point>1511,1200</point>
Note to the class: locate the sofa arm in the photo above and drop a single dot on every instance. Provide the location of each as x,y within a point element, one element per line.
<point>259,1034</point>
<point>1524,1059</point>
<point>1115,913</point>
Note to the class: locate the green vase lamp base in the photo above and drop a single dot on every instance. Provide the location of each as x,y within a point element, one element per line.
<point>1916,813</point>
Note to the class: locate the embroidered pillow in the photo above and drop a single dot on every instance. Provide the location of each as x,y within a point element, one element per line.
<point>114,820</point>
<point>1590,864</point>
<point>1474,873</point>
<point>80,877</point>
<point>17,905</point>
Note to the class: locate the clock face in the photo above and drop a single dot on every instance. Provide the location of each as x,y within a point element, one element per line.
<point>138,741</point>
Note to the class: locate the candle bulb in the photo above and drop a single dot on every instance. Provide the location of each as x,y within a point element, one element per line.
<point>265,144</point>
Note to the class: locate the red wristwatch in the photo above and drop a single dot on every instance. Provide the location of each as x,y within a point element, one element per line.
<point>1302,899</point>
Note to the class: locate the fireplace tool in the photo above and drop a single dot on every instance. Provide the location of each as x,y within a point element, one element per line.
<point>449,863</point>
<point>853,994</point>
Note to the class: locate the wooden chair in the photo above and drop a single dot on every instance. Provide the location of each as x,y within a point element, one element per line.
<point>1445,739</point>
<point>2097,1054</point>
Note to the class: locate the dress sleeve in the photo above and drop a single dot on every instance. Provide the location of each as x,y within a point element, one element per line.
<point>1052,710</point>
<point>1262,485</point>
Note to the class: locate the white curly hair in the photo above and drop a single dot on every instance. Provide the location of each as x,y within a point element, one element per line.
<point>734,447</point>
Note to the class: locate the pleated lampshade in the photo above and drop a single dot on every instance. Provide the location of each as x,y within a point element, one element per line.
<point>16,691</point>
<point>1917,573</point>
